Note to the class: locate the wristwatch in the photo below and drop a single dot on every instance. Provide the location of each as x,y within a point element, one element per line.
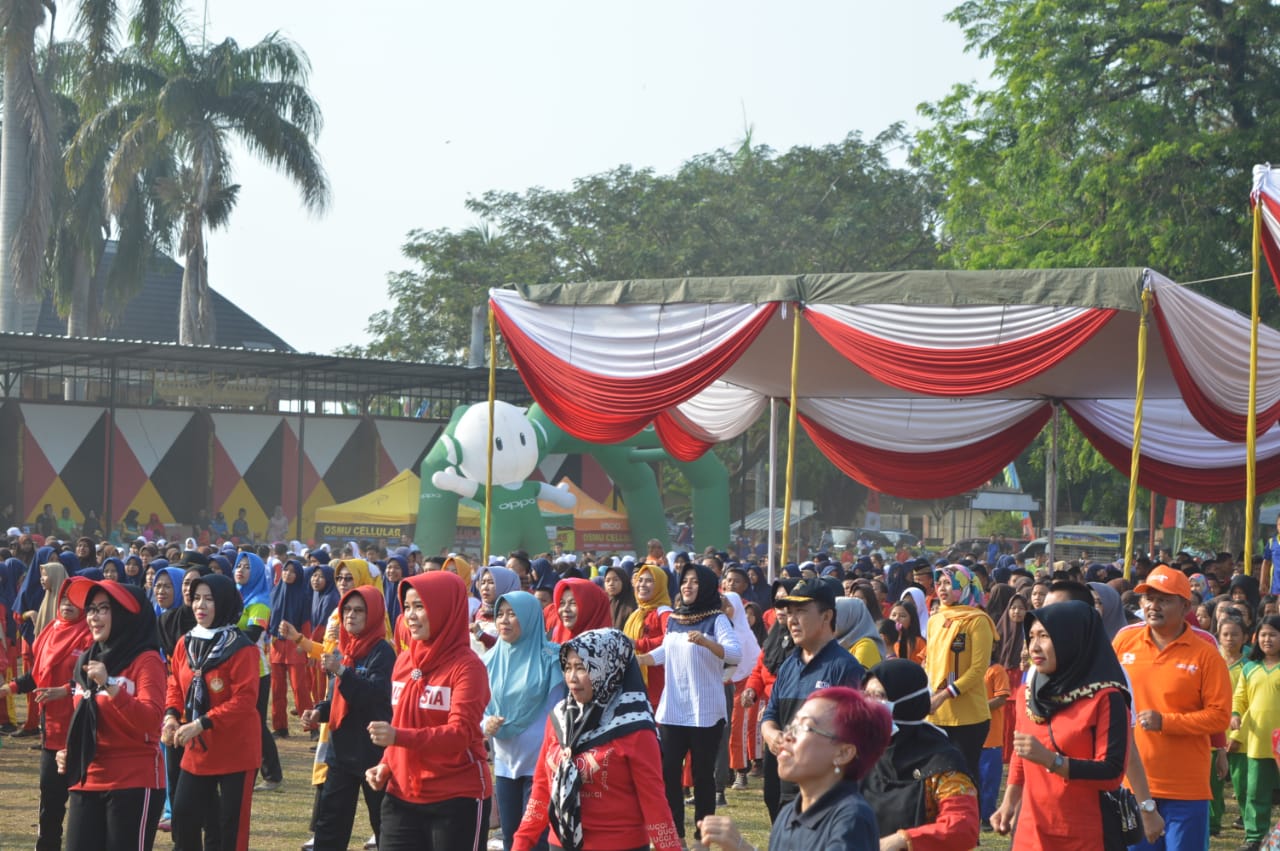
<point>1148,806</point>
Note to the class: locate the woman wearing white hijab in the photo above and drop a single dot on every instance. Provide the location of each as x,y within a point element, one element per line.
<point>917,598</point>
<point>743,750</point>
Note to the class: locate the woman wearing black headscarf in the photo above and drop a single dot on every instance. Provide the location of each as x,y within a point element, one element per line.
<point>211,712</point>
<point>920,788</point>
<point>700,643</point>
<point>604,721</point>
<point>112,758</point>
<point>290,601</point>
<point>1072,734</point>
<point>29,598</point>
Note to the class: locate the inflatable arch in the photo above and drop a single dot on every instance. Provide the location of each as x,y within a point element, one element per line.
<point>456,467</point>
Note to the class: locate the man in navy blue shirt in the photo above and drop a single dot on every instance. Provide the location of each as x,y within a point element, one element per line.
<point>817,662</point>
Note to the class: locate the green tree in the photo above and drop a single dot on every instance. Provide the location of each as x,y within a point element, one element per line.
<point>30,177</point>
<point>1115,134</point>
<point>749,211</point>
<point>187,112</point>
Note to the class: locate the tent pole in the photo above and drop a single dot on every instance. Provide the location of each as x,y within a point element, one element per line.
<point>791,432</point>
<point>488,472</point>
<point>771,568</point>
<point>1051,488</point>
<point>1251,438</point>
<point>1136,455</point>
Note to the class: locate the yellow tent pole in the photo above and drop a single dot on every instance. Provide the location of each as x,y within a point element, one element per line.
<point>1136,455</point>
<point>791,436</point>
<point>1251,438</point>
<point>488,473</point>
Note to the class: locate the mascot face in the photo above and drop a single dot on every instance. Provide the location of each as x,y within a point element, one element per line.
<point>515,443</point>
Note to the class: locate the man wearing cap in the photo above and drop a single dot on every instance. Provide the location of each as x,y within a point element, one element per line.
<point>817,662</point>
<point>1181,697</point>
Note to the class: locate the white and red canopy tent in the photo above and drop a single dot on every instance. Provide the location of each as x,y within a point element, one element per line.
<point>918,384</point>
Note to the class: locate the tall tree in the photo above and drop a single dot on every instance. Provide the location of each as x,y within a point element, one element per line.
<point>30,178</point>
<point>1116,134</point>
<point>203,99</point>
<point>746,211</point>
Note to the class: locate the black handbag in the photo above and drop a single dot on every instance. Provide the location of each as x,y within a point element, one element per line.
<point>1121,818</point>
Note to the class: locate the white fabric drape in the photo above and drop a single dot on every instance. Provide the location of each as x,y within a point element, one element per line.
<point>627,341</point>
<point>918,425</point>
<point>950,328</point>
<point>1170,433</point>
<point>719,413</point>
<point>1213,344</point>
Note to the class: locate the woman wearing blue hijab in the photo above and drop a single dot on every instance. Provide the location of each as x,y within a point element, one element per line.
<point>11,572</point>
<point>254,586</point>
<point>166,593</point>
<point>30,596</point>
<point>290,601</point>
<point>524,684</point>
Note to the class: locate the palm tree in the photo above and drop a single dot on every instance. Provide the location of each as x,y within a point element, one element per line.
<point>209,97</point>
<point>29,174</point>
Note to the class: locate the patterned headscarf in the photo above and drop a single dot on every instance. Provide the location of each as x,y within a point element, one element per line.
<point>963,581</point>
<point>619,706</point>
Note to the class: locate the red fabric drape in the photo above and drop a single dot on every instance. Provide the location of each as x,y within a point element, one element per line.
<point>959,372</point>
<point>1269,247</point>
<point>606,409</point>
<point>928,475</point>
<point>1195,484</point>
<point>1218,422</point>
<point>681,445</point>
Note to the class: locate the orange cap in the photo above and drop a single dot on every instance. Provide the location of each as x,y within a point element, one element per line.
<point>1166,580</point>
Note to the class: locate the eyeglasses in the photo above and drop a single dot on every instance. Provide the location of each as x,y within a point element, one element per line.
<point>98,611</point>
<point>345,580</point>
<point>797,727</point>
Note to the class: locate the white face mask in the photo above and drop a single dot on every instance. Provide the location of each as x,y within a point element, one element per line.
<point>892,703</point>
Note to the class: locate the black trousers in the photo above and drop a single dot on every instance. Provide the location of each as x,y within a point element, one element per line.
<point>701,744</point>
<point>271,769</point>
<point>457,824</point>
<point>968,739</point>
<point>222,798</point>
<point>53,803</point>
<point>723,775</point>
<point>114,820</point>
<point>336,813</point>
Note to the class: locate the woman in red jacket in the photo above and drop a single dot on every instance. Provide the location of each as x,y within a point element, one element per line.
<point>434,768</point>
<point>211,712</point>
<point>57,653</point>
<point>1072,735</point>
<point>598,779</point>
<point>112,757</point>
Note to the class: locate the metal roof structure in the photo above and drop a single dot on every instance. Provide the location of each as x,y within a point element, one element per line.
<point>156,374</point>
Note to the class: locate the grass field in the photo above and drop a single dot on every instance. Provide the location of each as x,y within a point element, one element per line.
<point>280,818</point>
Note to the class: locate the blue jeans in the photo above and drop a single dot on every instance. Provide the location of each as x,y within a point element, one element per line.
<point>990,764</point>
<point>1186,827</point>
<point>512,795</point>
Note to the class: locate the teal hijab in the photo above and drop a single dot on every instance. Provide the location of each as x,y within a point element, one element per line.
<point>523,674</point>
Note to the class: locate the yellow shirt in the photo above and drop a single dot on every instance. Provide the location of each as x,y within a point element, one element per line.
<point>957,656</point>
<point>1257,701</point>
<point>866,652</point>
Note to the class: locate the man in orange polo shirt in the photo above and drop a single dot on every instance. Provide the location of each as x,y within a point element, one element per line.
<point>1181,697</point>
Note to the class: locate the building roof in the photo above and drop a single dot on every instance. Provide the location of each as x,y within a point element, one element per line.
<point>152,315</point>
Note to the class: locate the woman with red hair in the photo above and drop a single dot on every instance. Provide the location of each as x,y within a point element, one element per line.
<point>831,744</point>
<point>434,767</point>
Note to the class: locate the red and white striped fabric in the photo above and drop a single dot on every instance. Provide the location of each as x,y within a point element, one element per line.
<point>956,351</point>
<point>1180,459</point>
<point>1266,191</point>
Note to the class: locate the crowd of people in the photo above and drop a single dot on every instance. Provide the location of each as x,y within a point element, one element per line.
<point>588,703</point>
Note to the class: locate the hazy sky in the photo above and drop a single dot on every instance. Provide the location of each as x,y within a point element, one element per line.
<point>427,104</point>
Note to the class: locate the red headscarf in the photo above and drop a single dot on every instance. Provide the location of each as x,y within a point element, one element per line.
<point>356,647</point>
<point>593,609</point>
<point>60,639</point>
<point>445,596</point>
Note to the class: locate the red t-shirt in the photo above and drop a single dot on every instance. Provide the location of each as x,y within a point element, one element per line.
<point>234,742</point>
<point>128,754</point>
